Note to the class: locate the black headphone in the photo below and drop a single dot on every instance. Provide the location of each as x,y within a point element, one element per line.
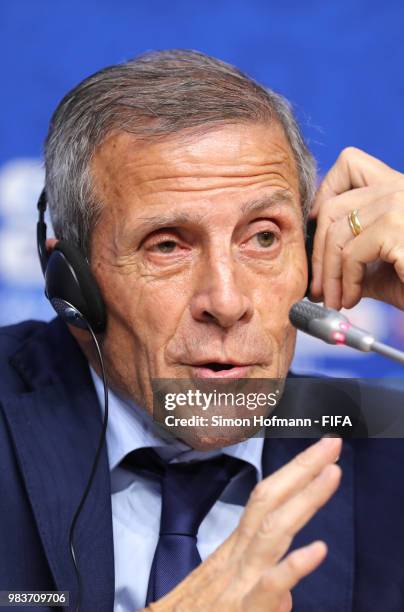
<point>69,283</point>
<point>310,232</point>
<point>71,287</point>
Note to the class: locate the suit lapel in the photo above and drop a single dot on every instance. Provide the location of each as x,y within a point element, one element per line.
<point>330,587</point>
<point>55,428</point>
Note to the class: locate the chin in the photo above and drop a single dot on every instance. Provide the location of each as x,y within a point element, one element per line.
<point>226,431</point>
<point>206,443</point>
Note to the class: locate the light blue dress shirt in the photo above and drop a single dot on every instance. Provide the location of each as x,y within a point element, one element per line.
<point>136,500</point>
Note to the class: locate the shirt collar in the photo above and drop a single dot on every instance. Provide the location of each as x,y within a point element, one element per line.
<point>130,427</point>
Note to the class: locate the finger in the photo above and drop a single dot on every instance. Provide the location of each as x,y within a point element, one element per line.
<point>280,526</point>
<point>285,482</point>
<point>268,592</point>
<point>382,240</point>
<point>354,168</point>
<point>335,208</point>
<point>286,604</point>
<point>338,235</point>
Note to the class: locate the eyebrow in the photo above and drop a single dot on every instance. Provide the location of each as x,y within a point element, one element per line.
<point>280,196</point>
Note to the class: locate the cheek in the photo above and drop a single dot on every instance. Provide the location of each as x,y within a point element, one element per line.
<point>295,276</point>
<point>159,310</point>
<point>147,310</point>
<point>295,272</point>
<point>279,292</point>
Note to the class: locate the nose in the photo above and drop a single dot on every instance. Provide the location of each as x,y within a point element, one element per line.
<point>219,296</point>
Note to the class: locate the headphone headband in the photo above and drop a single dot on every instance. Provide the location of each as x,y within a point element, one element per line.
<point>41,232</point>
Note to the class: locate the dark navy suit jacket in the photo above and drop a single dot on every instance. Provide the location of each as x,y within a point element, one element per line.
<point>50,423</point>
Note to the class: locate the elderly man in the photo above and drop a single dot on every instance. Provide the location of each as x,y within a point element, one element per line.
<point>181,188</point>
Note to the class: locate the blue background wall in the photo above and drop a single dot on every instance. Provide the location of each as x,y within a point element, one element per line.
<point>340,63</point>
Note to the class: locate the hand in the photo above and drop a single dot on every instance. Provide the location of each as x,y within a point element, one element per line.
<point>249,570</point>
<point>347,268</point>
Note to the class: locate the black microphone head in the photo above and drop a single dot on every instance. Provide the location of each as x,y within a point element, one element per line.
<point>303,312</point>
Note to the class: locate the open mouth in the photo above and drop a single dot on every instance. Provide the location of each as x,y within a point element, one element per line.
<point>216,367</point>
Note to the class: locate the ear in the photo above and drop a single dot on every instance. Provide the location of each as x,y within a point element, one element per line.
<point>50,244</point>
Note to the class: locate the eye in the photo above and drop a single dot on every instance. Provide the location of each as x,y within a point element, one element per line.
<point>265,239</point>
<point>166,246</point>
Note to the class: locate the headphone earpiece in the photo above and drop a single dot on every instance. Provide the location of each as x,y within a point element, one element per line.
<point>310,231</point>
<point>69,283</point>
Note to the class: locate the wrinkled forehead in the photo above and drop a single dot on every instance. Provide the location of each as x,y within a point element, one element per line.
<point>237,160</point>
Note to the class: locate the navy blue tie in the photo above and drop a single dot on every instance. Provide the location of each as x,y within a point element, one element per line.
<point>188,492</point>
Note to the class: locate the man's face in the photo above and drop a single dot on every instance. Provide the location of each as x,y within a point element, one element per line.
<point>199,254</point>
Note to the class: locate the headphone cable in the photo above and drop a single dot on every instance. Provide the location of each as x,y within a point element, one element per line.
<point>93,469</point>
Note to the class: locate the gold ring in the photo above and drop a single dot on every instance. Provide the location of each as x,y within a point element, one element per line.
<point>354,222</point>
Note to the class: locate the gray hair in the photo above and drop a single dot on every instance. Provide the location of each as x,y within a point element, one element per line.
<point>154,95</point>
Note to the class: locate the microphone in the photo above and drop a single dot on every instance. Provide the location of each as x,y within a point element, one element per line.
<point>335,328</point>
